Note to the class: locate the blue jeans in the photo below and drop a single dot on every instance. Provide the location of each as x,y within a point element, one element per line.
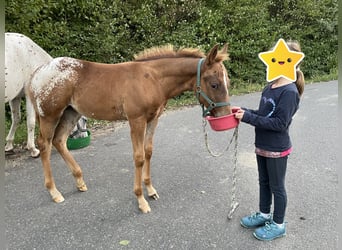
<point>272,173</point>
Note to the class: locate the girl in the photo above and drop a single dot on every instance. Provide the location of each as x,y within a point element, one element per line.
<point>279,102</point>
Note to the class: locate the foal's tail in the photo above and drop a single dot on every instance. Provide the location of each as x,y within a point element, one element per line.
<point>29,94</point>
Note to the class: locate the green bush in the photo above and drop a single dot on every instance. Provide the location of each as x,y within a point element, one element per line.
<point>113,31</point>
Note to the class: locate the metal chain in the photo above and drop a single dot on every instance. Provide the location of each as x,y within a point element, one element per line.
<point>234,204</point>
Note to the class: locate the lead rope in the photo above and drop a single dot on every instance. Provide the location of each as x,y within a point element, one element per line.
<point>233,204</point>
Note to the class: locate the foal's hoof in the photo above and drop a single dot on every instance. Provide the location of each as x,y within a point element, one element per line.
<point>152,193</point>
<point>58,199</point>
<point>154,196</point>
<point>143,205</point>
<point>56,196</point>
<point>82,188</point>
<point>145,209</point>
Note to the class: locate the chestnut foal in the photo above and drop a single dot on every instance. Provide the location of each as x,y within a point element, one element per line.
<point>66,88</point>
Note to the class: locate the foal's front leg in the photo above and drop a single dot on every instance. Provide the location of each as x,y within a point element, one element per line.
<point>151,126</point>
<point>138,128</point>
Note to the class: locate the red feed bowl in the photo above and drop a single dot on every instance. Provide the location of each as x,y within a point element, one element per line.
<point>223,122</point>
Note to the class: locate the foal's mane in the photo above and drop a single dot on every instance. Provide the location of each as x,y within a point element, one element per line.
<point>167,51</point>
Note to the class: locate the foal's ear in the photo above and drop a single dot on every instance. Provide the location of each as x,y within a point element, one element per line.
<point>212,55</point>
<point>224,50</point>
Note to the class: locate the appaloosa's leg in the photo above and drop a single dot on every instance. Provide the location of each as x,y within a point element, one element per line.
<point>31,123</point>
<point>15,116</point>
<point>65,126</point>
<point>148,154</point>
<point>138,128</point>
<point>44,141</point>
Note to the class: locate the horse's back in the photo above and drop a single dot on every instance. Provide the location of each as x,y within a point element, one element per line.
<point>22,58</point>
<point>97,90</point>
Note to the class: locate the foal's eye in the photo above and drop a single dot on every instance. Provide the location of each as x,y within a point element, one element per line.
<point>214,85</point>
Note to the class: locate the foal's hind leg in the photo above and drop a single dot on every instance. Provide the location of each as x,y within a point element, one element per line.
<point>148,155</point>
<point>65,126</point>
<point>15,116</point>
<point>47,129</point>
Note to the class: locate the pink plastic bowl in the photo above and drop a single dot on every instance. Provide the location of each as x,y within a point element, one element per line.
<point>223,122</point>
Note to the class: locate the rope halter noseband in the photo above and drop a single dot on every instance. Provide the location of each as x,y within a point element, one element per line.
<point>199,93</point>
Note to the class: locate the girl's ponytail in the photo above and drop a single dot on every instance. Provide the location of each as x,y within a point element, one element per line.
<point>300,83</point>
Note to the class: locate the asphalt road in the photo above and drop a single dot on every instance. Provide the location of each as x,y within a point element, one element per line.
<point>194,188</point>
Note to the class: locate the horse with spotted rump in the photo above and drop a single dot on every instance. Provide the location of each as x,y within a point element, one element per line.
<point>66,88</point>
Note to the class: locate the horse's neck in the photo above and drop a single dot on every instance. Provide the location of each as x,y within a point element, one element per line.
<point>178,75</point>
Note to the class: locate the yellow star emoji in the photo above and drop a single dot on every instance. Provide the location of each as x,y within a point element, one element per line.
<point>281,62</point>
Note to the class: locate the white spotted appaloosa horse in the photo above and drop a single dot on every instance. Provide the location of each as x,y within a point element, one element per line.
<point>66,88</point>
<point>22,58</point>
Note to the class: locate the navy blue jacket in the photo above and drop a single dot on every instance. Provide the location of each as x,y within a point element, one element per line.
<point>274,116</point>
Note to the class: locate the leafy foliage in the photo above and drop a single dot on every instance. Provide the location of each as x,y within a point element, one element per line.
<point>113,31</point>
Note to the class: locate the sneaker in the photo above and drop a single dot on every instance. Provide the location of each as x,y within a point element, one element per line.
<point>254,220</point>
<point>270,231</point>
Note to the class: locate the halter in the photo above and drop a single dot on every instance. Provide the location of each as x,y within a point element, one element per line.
<point>199,92</point>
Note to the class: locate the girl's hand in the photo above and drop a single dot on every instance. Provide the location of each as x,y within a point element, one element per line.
<point>239,114</point>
